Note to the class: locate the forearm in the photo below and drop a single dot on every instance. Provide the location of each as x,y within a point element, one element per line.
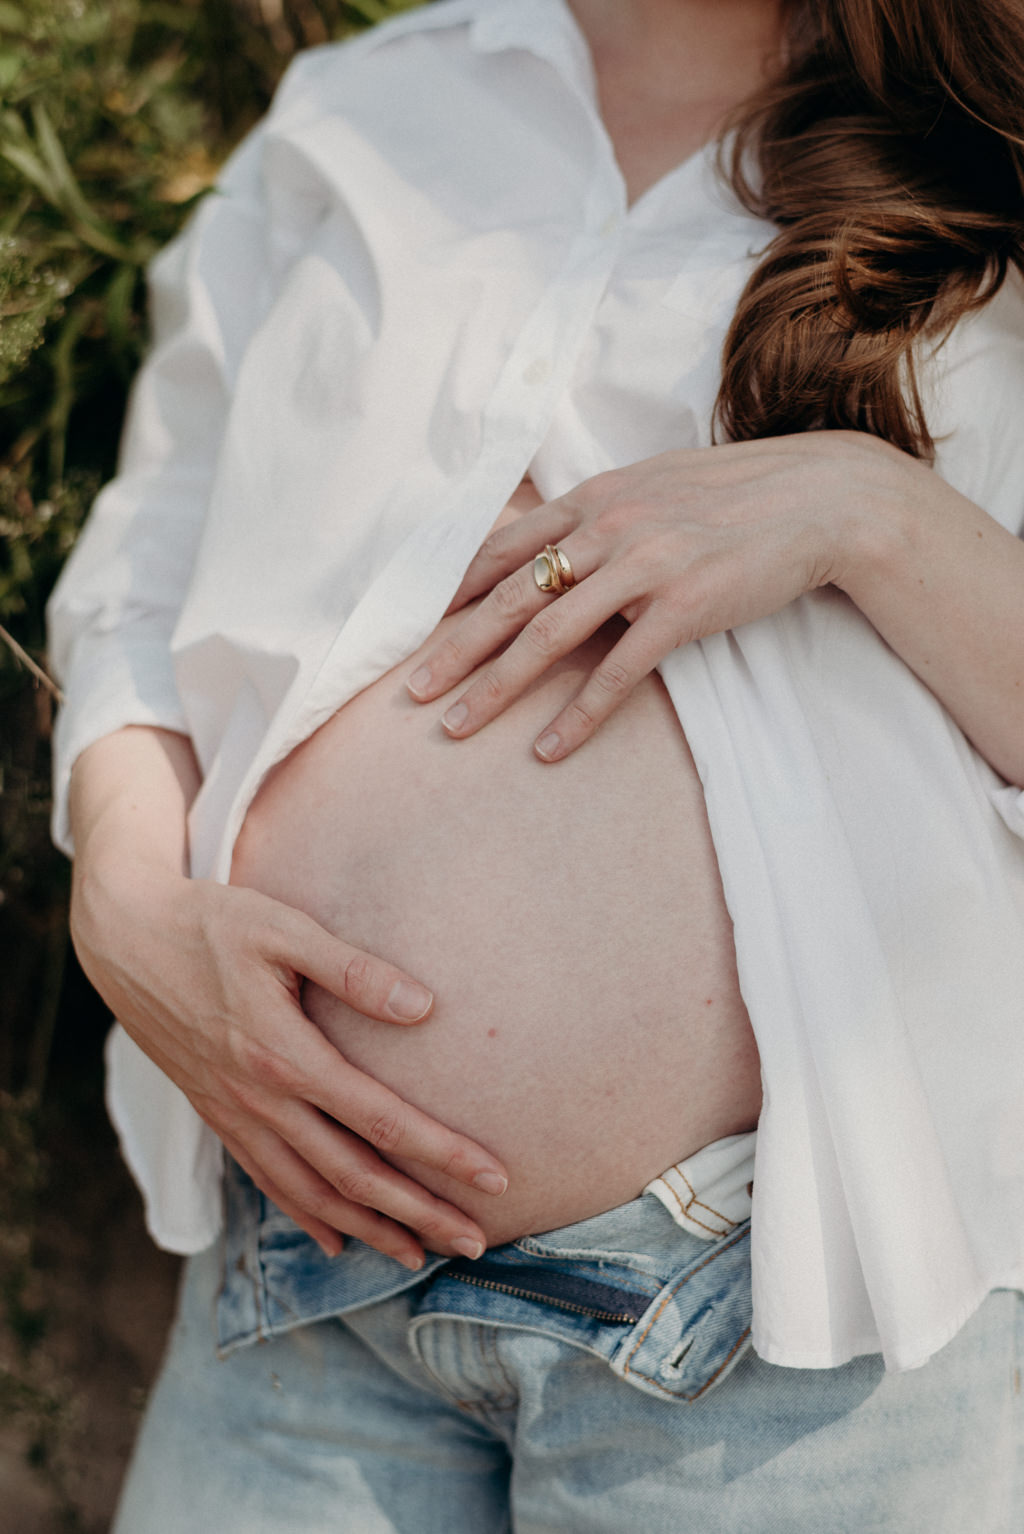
<point>944,586</point>
<point>207,981</point>
<point>135,788</point>
<point>129,799</point>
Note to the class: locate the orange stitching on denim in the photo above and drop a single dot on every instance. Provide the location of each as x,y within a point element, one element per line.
<point>686,1209</point>
<point>695,1396</point>
<point>701,1205</point>
<point>672,1294</point>
<point>663,1179</point>
<point>712,1230</point>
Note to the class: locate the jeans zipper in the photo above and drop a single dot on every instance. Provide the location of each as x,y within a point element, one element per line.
<point>542,1299</point>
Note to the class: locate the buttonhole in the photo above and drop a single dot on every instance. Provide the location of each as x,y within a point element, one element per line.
<point>678,1353</point>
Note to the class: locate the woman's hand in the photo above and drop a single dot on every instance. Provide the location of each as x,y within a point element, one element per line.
<point>206,979</point>
<point>682,545</point>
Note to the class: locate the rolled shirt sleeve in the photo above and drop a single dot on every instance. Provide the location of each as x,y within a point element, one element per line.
<point>114,608</point>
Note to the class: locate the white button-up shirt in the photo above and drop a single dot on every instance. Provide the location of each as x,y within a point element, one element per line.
<point>418,280</point>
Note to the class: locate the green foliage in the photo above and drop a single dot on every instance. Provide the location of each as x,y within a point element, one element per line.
<point>114,115</point>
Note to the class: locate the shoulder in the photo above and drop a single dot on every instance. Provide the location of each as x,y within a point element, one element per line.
<point>342,106</point>
<point>321,79</point>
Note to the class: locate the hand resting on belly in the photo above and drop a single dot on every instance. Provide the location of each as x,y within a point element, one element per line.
<point>588,1027</point>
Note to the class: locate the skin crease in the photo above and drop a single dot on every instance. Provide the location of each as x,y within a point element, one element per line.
<point>208,979</point>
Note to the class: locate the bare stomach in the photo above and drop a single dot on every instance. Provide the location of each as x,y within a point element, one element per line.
<point>588,1027</point>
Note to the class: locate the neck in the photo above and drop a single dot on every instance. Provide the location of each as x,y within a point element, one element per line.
<point>669,72</point>
<point>685,49</point>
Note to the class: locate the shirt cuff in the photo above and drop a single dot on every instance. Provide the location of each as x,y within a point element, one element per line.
<point>114,681</point>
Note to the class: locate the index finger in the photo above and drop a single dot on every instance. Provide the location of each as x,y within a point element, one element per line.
<point>511,545</point>
<point>369,984</point>
<point>393,1127</point>
<point>314,1070</point>
<point>510,607</point>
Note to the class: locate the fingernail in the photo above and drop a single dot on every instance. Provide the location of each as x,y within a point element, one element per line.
<point>412,1263</point>
<point>409,1000</point>
<point>331,1251</point>
<point>468,1247</point>
<point>490,1182</point>
<point>455,717</point>
<point>549,746</point>
<point>420,680</point>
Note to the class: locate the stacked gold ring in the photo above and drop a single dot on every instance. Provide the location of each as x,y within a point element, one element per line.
<point>552,571</point>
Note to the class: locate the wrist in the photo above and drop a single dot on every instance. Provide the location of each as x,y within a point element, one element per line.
<point>115,876</point>
<point>884,517</point>
<point>129,798</point>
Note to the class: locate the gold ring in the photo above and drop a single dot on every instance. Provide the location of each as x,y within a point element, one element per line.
<point>552,571</point>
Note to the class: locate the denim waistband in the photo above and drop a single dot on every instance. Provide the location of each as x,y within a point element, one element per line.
<point>669,1313</point>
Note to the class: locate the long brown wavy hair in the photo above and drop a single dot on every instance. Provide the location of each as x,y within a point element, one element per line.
<point>891,155</point>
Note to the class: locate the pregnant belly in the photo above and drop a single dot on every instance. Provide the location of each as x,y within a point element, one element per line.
<point>569,918</point>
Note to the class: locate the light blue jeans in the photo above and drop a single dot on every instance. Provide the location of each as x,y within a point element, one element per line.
<point>594,1380</point>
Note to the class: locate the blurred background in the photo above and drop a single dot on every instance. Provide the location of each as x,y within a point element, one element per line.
<point>114,116</point>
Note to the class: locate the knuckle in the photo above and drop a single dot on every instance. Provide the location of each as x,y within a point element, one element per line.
<point>386,1132</point>
<point>581,716</point>
<point>450,655</point>
<point>488,685</point>
<point>510,598</point>
<point>495,544</point>
<point>262,1067</point>
<point>454,1163</point>
<point>433,1232</point>
<point>278,1074</point>
<point>358,978</point>
<point>543,632</point>
<point>612,679</point>
<point>356,1185</point>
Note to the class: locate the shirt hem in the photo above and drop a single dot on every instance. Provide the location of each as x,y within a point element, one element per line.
<point>898,1360</point>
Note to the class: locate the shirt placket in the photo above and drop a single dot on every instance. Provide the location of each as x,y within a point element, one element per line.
<point>537,372</point>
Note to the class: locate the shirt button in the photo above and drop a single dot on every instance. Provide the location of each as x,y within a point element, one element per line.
<point>610,225</point>
<point>538,371</point>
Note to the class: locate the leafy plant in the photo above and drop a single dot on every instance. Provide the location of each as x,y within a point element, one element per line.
<point>114,115</point>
